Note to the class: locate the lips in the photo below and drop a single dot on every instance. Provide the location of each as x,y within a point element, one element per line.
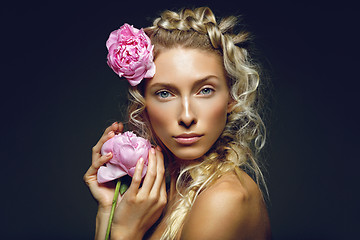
<point>187,138</point>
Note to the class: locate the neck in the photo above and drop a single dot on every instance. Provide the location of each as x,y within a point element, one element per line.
<point>174,167</point>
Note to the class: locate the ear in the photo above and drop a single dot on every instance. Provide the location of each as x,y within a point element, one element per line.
<point>231,104</point>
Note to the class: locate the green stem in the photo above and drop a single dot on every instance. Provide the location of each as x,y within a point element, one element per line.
<point>116,194</point>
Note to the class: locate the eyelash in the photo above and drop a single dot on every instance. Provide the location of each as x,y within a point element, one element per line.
<point>161,92</point>
<point>207,88</point>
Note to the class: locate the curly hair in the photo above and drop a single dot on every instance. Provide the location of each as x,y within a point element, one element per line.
<point>244,133</point>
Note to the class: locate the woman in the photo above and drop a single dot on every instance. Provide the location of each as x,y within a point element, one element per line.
<point>199,108</point>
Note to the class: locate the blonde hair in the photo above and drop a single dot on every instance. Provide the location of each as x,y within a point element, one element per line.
<point>244,133</point>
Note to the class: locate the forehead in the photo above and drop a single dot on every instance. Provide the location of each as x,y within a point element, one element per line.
<point>184,66</point>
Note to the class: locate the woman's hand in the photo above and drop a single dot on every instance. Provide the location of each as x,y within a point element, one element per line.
<point>141,207</point>
<point>103,193</point>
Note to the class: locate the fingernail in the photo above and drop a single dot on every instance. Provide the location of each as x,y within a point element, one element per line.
<point>114,123</point>
<point>110,133</point>
<point>152,150</point>
<point>108,154</point>
<point>158,148</point>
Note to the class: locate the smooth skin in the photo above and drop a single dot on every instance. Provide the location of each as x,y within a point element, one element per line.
<point>231,209</point>
<point>188,95</point>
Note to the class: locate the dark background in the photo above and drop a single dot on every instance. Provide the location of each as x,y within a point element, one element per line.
<point>58,95</point>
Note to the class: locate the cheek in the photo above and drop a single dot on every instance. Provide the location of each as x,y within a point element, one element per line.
<point>159,117</point>
<point>216,115</point>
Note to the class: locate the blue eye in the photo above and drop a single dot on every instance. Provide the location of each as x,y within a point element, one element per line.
<point>206,91</point>
<point>163,94</point>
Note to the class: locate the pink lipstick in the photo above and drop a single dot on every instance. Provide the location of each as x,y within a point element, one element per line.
<point>187,139</point>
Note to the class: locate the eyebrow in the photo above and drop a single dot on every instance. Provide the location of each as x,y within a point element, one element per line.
<point>196,83</point>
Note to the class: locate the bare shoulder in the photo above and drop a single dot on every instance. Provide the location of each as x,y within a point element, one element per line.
<point>232,208</point>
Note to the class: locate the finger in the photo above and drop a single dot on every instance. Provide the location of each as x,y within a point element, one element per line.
<point>96,151</point>
<point>150,173</point>
<point>136,179</point>
<point>97,164</point>
<point>163,194</point>
<point>120,128</point>
<point>160,171</point>
<point>108,133</point>
<point>113,127</point>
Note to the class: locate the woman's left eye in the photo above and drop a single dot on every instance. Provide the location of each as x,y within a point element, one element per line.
<point>206,91</point>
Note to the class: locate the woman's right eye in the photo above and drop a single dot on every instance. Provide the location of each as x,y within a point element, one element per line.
<point>163,94</point>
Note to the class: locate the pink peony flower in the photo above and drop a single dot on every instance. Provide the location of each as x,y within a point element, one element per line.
<point>130,54</point>
<point>127,149</point>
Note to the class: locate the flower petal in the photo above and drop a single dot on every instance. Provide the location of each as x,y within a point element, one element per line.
<point>112,38</point>
<point>107,146</point>
<point>128,155</point>
<point>150,72</point>
<point>109,172</point>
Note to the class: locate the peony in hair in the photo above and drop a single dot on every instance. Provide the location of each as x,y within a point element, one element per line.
<point>130,54</point>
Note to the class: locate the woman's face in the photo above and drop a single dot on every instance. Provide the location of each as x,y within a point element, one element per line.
<point>187,101</point>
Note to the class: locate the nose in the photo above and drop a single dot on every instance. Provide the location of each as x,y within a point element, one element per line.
<point>187,116</point>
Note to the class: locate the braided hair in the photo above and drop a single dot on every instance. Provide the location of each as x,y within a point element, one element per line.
<point>244,133</point>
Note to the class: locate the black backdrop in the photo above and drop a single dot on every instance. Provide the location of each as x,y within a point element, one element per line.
<point>58,94</point>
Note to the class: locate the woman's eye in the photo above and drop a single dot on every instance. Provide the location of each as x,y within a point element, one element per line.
<point>206,91</point>
<point>163,94</point>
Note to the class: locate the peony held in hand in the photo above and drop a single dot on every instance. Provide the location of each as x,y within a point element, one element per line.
<point>127,149</point>
<point>130,54</point>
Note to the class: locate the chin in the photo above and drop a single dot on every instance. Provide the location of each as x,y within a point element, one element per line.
<point>188,155</point>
